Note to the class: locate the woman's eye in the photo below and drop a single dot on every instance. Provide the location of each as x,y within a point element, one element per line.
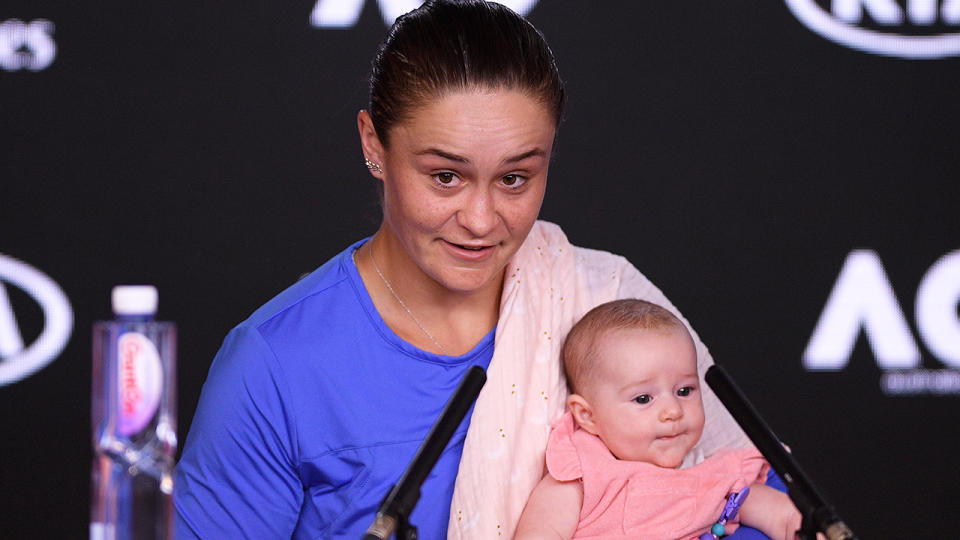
<point>445,178</point>
<point>513,180</point>
<point>685,391</point>
<point>643,399</point>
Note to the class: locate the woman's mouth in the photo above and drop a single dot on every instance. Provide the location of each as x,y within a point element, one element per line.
<point>469,252</point>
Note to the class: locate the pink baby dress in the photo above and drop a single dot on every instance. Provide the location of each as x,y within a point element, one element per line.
<point>636,500</point>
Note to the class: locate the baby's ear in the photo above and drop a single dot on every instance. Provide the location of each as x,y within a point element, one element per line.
<point>582,412</point>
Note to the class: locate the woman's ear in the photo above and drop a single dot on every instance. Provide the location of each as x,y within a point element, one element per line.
<point>373,150</point>
<point>582,413</point>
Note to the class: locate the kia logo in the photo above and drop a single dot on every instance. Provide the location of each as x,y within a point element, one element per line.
<point>18,360</point>
<point>840,25</point>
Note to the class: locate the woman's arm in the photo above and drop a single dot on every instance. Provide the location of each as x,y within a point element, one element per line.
<point>237,477</point>
<point>772,512</point>
<point>552,511</point>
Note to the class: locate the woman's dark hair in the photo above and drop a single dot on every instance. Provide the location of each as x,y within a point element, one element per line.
<point>455,45</point>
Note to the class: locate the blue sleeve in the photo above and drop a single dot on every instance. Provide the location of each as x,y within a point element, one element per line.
<point>747,533</point>
<point>238,475</point>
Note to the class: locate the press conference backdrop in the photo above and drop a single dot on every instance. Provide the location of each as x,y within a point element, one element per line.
<point>785,171</point>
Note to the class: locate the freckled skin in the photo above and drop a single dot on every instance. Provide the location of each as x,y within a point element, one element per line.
<point>463,180</point>
<point>472,204</point>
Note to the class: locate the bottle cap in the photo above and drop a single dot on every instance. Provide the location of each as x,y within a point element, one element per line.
<point>134,300</point>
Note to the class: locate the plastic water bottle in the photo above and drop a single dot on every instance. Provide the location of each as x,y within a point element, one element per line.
<point>134,419</point>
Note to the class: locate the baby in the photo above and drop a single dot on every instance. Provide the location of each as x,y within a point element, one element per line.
<point>635,413</point>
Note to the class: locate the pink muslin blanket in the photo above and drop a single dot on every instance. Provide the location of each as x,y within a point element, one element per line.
<point>548,285</point>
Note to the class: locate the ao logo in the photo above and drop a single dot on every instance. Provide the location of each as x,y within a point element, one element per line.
<point>345,13</point>
<point>16,360</point>
<point>26,45</point>
<point>840,25</point>
<point>863,298</point>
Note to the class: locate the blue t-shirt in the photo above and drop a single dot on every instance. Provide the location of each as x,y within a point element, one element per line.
<point>311,411</point>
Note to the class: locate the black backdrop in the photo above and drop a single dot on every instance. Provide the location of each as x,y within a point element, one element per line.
<point>732,154</point>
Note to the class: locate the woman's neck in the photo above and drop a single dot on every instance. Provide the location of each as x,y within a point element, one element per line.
<point>421,309</point>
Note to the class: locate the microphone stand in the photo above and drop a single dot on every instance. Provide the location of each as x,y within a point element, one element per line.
<point>817,514</point>
<point>394,511</point>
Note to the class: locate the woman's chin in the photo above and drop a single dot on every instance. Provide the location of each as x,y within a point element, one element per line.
<point>470,280</point>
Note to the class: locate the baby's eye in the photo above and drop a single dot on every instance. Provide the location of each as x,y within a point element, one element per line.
<point>685,391</point>
<point>643,399</point>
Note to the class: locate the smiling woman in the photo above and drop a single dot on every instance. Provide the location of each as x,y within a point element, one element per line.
<point>316,403</point>
<point>464,178</point>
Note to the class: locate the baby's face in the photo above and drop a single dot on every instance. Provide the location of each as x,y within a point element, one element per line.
<point>645,401</point>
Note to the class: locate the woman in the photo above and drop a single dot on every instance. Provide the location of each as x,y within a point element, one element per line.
<point>314,406</point>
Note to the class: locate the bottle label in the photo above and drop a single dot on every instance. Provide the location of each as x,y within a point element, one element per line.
<point>140,382</point>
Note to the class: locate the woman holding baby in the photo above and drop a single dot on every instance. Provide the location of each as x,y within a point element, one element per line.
<point>315,404</point>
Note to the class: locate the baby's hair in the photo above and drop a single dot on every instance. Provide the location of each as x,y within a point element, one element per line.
<point>580,347</point>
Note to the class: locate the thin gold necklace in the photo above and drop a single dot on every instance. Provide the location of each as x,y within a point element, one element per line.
<point>399,301</point>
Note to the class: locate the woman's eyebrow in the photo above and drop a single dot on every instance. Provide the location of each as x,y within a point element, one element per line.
<point>461,159</point>
<point>441,153</point>
<point>529,153</point>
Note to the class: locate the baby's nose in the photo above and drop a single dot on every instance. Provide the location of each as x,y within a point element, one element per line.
<point>671,410</point>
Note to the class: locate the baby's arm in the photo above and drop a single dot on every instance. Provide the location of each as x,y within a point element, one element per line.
<point>772,512</point>
<point>552,511</point>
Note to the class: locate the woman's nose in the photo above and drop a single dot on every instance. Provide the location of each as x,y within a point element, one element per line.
<point>478,214</point>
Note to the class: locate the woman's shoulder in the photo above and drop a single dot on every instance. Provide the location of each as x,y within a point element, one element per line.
<point>308,288</point>
<point>296,320</point>
<point>587,276</point>
<point>551,237</point>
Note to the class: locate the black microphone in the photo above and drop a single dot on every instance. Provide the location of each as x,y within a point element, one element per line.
<point>395,508</point>
<point>804,495</point>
